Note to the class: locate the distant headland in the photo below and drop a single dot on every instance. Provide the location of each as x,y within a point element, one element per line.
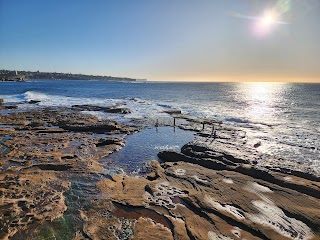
<point>22,76</point>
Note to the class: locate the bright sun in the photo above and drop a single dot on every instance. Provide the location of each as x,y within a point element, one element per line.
<point>267,22</point>
<point>268,19</point>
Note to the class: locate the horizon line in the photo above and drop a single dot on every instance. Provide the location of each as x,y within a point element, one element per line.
<point>222,79</point>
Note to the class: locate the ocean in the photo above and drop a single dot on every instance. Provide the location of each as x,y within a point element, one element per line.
<point>283,117</point>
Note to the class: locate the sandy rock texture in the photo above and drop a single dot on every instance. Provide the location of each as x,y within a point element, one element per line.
<point>205,192</point>
<point>40,152</point>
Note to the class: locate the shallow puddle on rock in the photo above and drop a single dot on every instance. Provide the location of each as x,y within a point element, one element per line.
<point>137,212</point>
<point>178,200</point>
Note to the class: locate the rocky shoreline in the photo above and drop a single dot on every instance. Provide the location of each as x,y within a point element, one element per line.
<point>215,188</point>
<point>13,76</point>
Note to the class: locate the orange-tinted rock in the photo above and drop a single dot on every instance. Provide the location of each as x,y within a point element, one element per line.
<point>146,228</point>
<point>203,203</point>
<point>38,159</point>
<point>29,198</point>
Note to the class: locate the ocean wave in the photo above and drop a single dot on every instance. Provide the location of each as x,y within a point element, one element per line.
<point>140,108</point>
<point>237,120</point>
<point>164,105</point>
<point>31,95</point>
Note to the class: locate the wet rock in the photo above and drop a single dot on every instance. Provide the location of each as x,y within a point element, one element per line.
<point>10,107</point>
<point>171,156</point>
<point>103,109</point>
<point>173,111</point>
<point>34,101</point>
<point>203,151</point>
<point>119,110</point>
<point>109,141</point>
<point>98,127</point>
<point>53,167</point>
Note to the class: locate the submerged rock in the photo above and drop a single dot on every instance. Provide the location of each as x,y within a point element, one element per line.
<point>121,110</point>
<point>34,101</point>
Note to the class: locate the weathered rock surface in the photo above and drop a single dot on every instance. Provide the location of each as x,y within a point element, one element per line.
<point>67,120</point>
<point>29,198</point>
<point>39,155</point>
<point>193,197</point>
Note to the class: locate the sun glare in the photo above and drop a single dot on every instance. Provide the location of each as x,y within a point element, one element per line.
<point>267,22</point>
<point>268,19</point>
<point>260,98</point>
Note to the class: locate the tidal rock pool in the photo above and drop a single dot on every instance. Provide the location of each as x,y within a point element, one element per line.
<point>142,147</point>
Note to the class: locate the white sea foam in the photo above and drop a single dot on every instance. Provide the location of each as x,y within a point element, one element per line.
<point>140,108</point>
<point>98,114</point>
<point>294,138</point>
<point>30,95</point>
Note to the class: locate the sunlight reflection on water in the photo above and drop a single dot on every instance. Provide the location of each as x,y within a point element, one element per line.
<point>261,99</point>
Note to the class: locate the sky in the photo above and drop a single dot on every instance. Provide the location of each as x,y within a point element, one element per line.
<point>168,40</point>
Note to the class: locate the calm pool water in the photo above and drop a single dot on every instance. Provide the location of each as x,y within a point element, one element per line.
<point>144,146</point>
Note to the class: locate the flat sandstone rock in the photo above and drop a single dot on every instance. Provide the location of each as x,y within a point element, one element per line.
<point>195,202</point>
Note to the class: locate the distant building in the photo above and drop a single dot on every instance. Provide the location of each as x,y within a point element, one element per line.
<point>12,76</point>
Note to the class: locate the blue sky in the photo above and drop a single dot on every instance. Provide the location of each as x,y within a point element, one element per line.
<point>162,40</point>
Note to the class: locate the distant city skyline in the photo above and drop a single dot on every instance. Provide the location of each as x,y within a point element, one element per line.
<point>181,40</point>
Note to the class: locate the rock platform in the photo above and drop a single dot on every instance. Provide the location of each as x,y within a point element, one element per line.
<point>209,190</point>
<point>216,187</point>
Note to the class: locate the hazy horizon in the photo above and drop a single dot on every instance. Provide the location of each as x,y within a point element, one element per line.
<point>247,40</point>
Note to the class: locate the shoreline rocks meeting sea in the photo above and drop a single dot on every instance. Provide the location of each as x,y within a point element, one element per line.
<point>55,181</point>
